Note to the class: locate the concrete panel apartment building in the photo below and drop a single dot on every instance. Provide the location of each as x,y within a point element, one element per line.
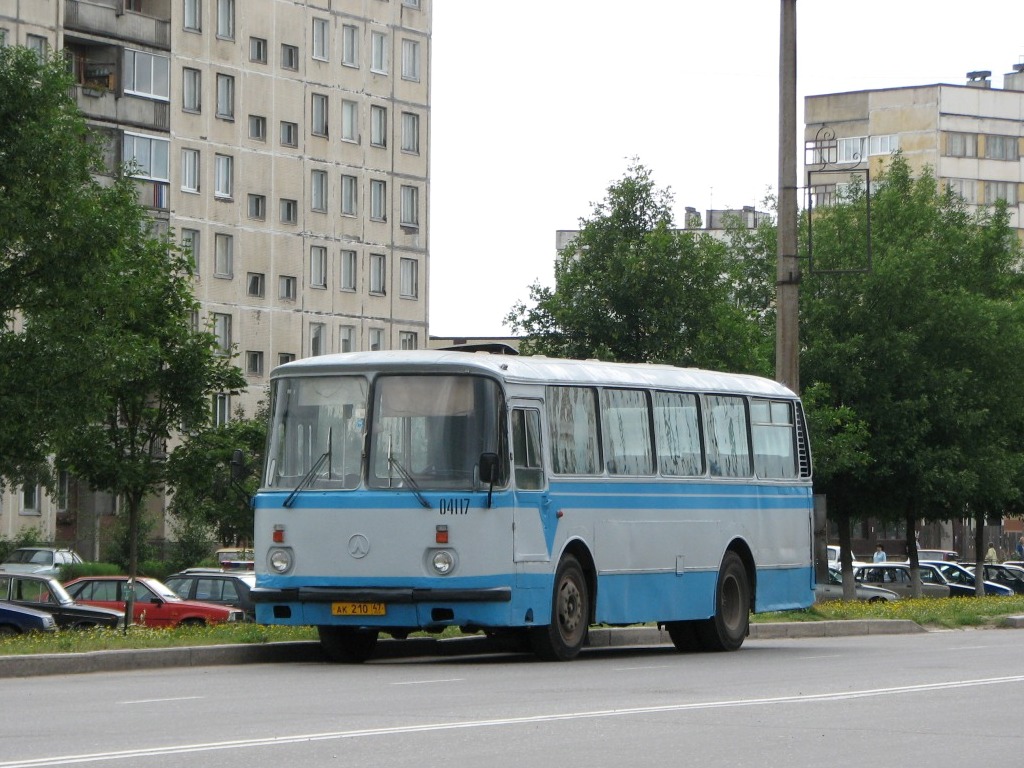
<point>287,142</point>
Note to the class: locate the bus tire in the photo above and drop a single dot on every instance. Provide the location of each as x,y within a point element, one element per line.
<point>563,638</point>
<point>727,629</point>
<point>348,645</point>
<point>684,635</point>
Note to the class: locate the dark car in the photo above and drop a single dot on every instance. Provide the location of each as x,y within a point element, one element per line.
<point>45,593</point>
<point>1007,575</point>
<point>962,580</point>
<point>17,620</point>
<point>216,585</point>
<point>155,605</point>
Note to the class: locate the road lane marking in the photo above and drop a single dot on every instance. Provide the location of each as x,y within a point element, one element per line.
<point>271,741</point>
<point>431,682</point>
<point>159,701</point>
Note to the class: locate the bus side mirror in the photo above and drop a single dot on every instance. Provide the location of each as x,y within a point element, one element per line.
<point>489,468</point>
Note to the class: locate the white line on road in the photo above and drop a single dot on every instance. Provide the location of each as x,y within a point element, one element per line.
<point>431,682</point>
<point>135,754</point>
<point>159,701</point>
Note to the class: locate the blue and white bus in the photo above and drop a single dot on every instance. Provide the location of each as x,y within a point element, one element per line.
<point>417,490</point>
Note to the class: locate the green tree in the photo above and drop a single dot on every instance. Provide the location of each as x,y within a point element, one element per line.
<point>922,353</point>
<point>632,288</point>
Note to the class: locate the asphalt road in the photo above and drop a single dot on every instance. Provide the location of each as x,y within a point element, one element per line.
<point>949,698</point>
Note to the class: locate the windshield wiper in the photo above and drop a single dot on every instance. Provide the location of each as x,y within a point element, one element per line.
<point>313,471</point>
<point>413,485</point>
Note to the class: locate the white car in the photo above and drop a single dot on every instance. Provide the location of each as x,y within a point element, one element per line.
<point>41,561</point>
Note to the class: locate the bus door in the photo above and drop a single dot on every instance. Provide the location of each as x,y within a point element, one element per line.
<point>533,518</point>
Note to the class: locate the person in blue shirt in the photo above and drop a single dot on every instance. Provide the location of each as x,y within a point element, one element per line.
<point>879,554</point>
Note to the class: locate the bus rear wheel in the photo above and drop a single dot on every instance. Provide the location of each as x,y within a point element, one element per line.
<point>563,638</point>
<point>347,644</point>
<point>727,629</point>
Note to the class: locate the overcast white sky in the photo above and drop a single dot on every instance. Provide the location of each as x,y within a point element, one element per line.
<point>538,105</point>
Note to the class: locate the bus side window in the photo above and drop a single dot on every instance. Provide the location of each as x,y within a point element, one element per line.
<point>526,449</point>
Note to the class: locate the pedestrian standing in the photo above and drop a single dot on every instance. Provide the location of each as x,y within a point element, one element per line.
<point>991,557</point>
<point>879,554</point>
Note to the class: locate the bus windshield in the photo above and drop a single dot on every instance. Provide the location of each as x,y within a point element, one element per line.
<point>430,431</point>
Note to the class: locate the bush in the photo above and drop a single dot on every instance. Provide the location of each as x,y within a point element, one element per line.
<point>69,572</point>
<point>28,537</point>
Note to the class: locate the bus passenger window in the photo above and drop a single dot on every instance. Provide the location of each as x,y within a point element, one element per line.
<point>774,434</point>
<point>526,449</point>
<point>677,434</point>
<point>726,430</point>
<point>627,432</point>
<point>572,416</point>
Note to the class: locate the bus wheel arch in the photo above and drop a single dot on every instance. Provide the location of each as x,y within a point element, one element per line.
<point>734,597</point>
<point>572,607</point>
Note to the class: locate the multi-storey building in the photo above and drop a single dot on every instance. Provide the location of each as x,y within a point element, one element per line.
<point>286,142</point>
<point>971,136</point>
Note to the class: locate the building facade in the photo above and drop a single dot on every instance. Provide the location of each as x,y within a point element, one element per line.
<point>286,143</point>
<point>971,135</point>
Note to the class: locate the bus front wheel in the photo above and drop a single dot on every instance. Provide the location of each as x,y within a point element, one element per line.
<point>563,638</point>
<point>726,630</point>
<point>347,644</point>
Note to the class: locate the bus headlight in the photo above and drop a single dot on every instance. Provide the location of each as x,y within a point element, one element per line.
<point>443,562</point>
<point>280,560</point>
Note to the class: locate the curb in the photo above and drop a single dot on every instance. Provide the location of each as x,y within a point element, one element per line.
<point>309,652</point>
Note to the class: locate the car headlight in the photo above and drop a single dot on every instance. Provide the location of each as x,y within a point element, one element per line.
<point>443,562</point>
<point>280,560</point>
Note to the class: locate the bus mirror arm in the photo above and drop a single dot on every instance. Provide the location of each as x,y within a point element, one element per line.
<point>489,473</point>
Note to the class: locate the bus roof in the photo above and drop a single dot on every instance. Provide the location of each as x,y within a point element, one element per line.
<point>535,370</point>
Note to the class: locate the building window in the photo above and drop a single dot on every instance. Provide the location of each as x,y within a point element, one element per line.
<point>190,170</point>
<point>410,211</point>
<point>378,200</point>
<point>146,74</point>
<point>257,207</point>
<point>258,50</point>
<point>221,409</point>
<point>349,120</point>
<point>965,188</point>
<point>289,211</point>
<point>191,90</point>
<point>376,339</point>
<point>349,195</point>
<point>286,287</point>
<point>254,363</point>
<point>289,134</point>
<point>349,261</point>
<point>347,338</point>
<point>190,244</point>
<point>255,284</point>
<point>29,500</point>
<point>409,277</point>
<point>410,60</point>
<point>319,110</point>
<point>223,255</point>
<point>349,46</point>
<point>257,127</point>
<point>411,132</point>
<point>285,357</point>
<point>222,332</point>
<point>884,145</point>
<point>226,19</point>
<point>378,273</point>
<point>962,144</point>
<point>37,44</point>
<point>1000,190</point>
<point>852,149</point>
<point>317,339</point>
<point>289,57</point>
<point>149,155</point>
<point>318,191</point>
<point>318,266</point>
<point>378,126</point>
<point>411,3</point>
<point>193,15</point>
<point>225,97</point>
<point>224,176</point>
<point>408,340</point>
<point>1002,148</point>
<point>320,39</point>
<point>379,53</point>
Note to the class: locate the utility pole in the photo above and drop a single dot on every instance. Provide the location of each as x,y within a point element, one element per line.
<point>787,331</point>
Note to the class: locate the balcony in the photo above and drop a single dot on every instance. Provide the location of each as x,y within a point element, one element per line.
<point>150,25</point>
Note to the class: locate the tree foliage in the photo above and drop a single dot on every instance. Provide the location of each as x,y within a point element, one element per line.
<point>632,288</point>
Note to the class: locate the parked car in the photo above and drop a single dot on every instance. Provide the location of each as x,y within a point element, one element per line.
<point>1007,575</point>
<point>957,575</point>
<point>45,593</point>
<point>236,558</point>
<point>44,561</point>
<point>932,555</point>
<point>897,578</point>
<point>216,585</point>
<point>833,590</point>
<point>155,604</point>
<point>18,620</point>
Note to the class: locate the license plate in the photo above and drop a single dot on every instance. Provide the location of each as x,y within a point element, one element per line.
<point>358,609</point>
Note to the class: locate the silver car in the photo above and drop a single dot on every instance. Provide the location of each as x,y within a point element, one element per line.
<point>833,590</point>
<point>897,578</point>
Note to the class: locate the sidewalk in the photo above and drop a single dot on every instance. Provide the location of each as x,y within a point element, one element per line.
<point>309,652</point>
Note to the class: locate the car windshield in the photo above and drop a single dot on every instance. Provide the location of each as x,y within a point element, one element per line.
<point>162,590</point>
<point>32,556</point>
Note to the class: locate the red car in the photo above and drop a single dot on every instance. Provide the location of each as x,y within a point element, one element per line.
<point>155,604</point>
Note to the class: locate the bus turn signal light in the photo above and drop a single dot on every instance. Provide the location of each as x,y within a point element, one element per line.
<point>441,535</point>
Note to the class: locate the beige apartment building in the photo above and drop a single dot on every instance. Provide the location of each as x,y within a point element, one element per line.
<point>287,143</point>
<point>972,136</point>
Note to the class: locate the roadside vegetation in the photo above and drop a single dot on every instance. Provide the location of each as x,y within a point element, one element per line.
<point>949,613</point>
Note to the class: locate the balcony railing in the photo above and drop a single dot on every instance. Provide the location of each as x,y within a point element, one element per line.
<point>109,19</point>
